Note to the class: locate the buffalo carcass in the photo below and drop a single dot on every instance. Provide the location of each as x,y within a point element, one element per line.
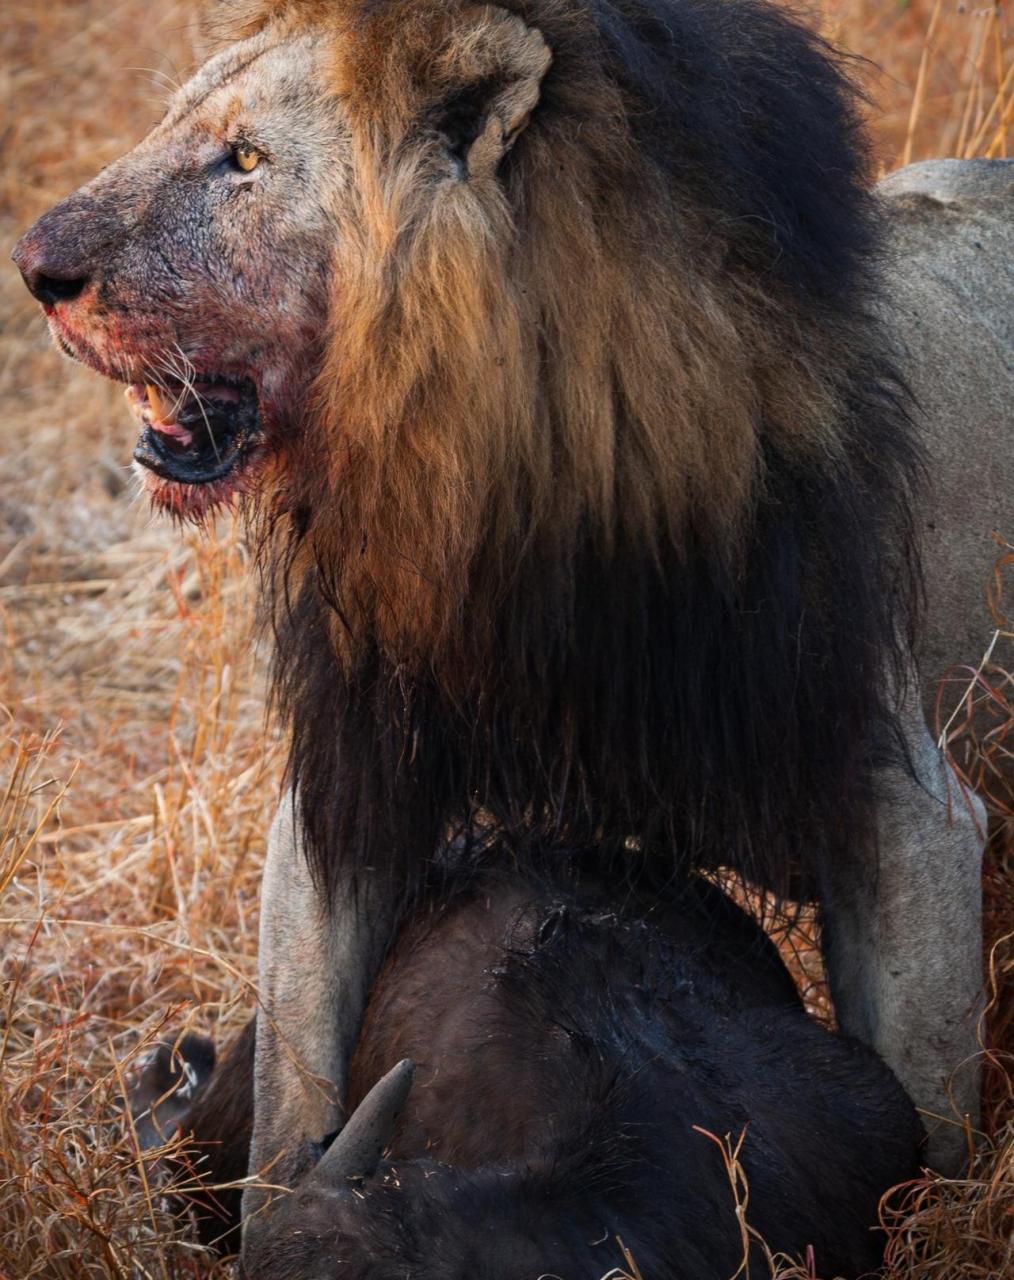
<point>571,1056</point>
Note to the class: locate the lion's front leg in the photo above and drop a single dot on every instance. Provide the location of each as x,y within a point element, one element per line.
<point>316,966</point>
<point>903,939</point>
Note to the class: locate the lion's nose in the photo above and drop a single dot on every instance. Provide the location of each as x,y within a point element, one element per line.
<point>49,272</point>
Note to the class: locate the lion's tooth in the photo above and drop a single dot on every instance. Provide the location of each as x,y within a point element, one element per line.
<point>158,408</point>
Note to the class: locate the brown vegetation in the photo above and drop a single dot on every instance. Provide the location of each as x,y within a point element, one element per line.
<point>137,771</point>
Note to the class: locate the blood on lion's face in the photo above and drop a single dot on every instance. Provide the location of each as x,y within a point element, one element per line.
<point>194,269</point>
<point>267,224</point>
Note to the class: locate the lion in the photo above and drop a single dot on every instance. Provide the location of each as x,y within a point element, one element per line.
<point>548,348</point>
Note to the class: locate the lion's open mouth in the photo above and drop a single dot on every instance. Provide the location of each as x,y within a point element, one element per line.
<point>195,433</point>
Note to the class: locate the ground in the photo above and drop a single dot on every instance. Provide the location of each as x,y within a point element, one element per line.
<point>138,769</point>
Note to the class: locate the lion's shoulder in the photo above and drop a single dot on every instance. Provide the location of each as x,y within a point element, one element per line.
<point>980,185</point>
<point>951,227</point>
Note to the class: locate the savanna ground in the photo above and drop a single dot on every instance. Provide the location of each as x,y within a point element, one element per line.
<point>138,772</point>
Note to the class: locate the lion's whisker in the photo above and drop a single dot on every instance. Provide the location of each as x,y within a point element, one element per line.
<point>167,81</point>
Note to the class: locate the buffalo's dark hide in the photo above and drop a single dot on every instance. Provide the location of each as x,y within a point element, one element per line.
<point>568,1050</point>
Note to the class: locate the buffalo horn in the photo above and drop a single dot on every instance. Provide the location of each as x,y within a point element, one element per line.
<point>357,1150</point>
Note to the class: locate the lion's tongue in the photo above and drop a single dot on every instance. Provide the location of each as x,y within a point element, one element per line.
<point>173,429</point>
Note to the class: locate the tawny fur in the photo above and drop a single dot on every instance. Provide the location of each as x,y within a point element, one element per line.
<point>444,442</point>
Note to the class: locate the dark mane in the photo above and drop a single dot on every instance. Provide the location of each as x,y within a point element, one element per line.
<point>676,685</point>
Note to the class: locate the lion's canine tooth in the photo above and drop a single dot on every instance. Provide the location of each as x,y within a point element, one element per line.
<point>158,408</point>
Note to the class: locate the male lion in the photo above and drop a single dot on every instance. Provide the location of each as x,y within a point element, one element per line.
<point>541,341</point>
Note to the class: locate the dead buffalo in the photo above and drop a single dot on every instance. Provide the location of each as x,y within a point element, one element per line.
<point>571,1054</point>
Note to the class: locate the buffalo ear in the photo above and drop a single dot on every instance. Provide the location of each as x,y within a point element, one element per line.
<point>493,67</point>
<point>171,1079</point>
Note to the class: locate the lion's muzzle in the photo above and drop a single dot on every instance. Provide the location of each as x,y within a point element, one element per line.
<point>57,257</point>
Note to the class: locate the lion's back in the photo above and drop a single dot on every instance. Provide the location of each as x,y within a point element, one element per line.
<point>951,297</point>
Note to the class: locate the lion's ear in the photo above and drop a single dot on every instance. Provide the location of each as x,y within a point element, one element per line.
<point>492,69</point>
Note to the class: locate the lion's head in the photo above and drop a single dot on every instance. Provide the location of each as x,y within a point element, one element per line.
<point>422,274</point>
<point>541,336</point>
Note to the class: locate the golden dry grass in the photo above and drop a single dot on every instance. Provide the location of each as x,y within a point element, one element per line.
<point>137,771</point>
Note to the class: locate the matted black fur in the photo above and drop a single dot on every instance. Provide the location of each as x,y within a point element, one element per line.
<point>683,708</point>
<point>572,1055</point>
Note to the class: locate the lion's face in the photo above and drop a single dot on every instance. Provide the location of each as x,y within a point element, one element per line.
<point>326,283</point>
<point>194,269</point>
<point>216,268</point>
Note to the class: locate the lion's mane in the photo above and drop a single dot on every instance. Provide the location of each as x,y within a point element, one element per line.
<point>598,533</point>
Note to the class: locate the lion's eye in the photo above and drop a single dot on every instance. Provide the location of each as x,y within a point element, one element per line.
<point>244,156</point>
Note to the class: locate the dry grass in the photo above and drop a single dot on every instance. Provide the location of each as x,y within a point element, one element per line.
<point>137,773</point>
